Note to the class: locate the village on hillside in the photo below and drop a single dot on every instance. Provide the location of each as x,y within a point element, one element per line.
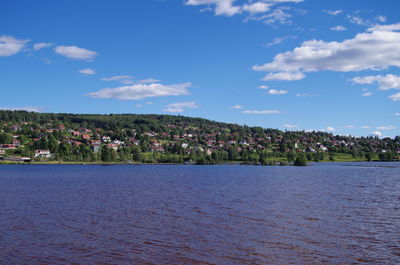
<point>154,140</point>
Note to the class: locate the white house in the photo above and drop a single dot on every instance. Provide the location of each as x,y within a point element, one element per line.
<point>42,153</point>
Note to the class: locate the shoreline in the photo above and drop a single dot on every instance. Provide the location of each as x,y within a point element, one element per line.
<point>166,164</point>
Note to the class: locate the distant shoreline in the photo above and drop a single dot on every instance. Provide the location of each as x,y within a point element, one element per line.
<point>166,164</point>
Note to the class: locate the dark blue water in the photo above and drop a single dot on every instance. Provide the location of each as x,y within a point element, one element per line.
<point>328,213</point>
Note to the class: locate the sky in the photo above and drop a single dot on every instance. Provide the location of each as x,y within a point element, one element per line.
<point>288,64</point>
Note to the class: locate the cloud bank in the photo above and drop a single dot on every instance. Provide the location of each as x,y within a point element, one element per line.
<point>143,90</point>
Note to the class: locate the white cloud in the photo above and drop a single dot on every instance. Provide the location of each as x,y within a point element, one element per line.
<point>275,41</point>
<point>285,76</point>
<point>305,95</point>
<point>390,127</point>
<point>374,50</point>
<point>329,129</point>
<point>260,10</point>
<point>141,91</point>
<point>397,114</point>
<point>349,126</point>
<point>237,107</point>
<point>365,127</point>
<point>338,28</point>
<point>10,45</point>
<point>27,108</point>
<point>222,7</point>
<point>381,19</point>
<point>385,82</point>
<point>138,105</point>
<point>290,126</point>
<point>180,107</point>
<point>390,27</point>
<point>257,7</point>
<point>358,20</point>
<point>263,87</point>
<point>39,46</point>
<point>75,52</point>
<point>277,92</point>
<point>278,40</point>
<point>261,112</point>
<point>149,80</point>
<point>87,71</point>
<point>395,97</point>
<point>376,133</point>
<point>116,78</point>
<point>367,94</point>
<point>333,12</point>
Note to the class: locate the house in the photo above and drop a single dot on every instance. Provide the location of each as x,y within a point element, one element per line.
<point>113,146</point>
<point>106,139</point>
<point>2,152</point>
<point>42,153</point>
<point>7,146</point>
<point>16,142</point>
<point>76,133</point>
<point>86,136</point>
<point>18,159</point>
<point>95,145</point>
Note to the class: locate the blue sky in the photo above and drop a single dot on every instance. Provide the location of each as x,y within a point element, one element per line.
<point>286,64</point>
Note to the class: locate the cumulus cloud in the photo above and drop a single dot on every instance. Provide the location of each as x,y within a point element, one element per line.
<point>261,112</point>
<point>277,92</point>
<point>338,28</point>
<point>390,27</point>
<point>42,45</point>
<point>261,10</point>
<point>237,107</point>
<point>367,94</point>
<point>263,87</point>
<point>290,126</point>
<point>87,71</point>
<point>27,108</point>
<point>141,91</point>
<point>395,97</point>
<point>385,82</point>
<point>75,52</point>
<point>285,76</point>
<point>371,50</point>
<point>257,7</point>
<point>180,107</point>
<point>222,7</point>
<point>10,45</point>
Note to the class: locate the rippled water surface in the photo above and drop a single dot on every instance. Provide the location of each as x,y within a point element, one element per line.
<point>327,213</point>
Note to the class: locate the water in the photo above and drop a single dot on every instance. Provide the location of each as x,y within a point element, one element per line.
<point>329,213</point>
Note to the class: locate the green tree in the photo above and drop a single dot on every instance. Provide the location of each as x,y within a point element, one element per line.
<point>300,161</point>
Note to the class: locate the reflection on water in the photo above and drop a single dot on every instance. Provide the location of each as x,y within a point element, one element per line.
<point>328,213</point>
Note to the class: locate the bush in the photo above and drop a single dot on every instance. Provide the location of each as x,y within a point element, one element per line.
<point>300,161</point>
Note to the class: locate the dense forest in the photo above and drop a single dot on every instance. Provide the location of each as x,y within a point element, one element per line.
<point>134,138</point>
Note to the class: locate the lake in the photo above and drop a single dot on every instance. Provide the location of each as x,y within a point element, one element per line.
<point>332,213</point>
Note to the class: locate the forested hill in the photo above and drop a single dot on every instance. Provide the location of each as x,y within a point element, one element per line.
<point>168,138</point>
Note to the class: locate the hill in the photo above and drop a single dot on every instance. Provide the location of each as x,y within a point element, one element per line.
<point>154,138</point>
